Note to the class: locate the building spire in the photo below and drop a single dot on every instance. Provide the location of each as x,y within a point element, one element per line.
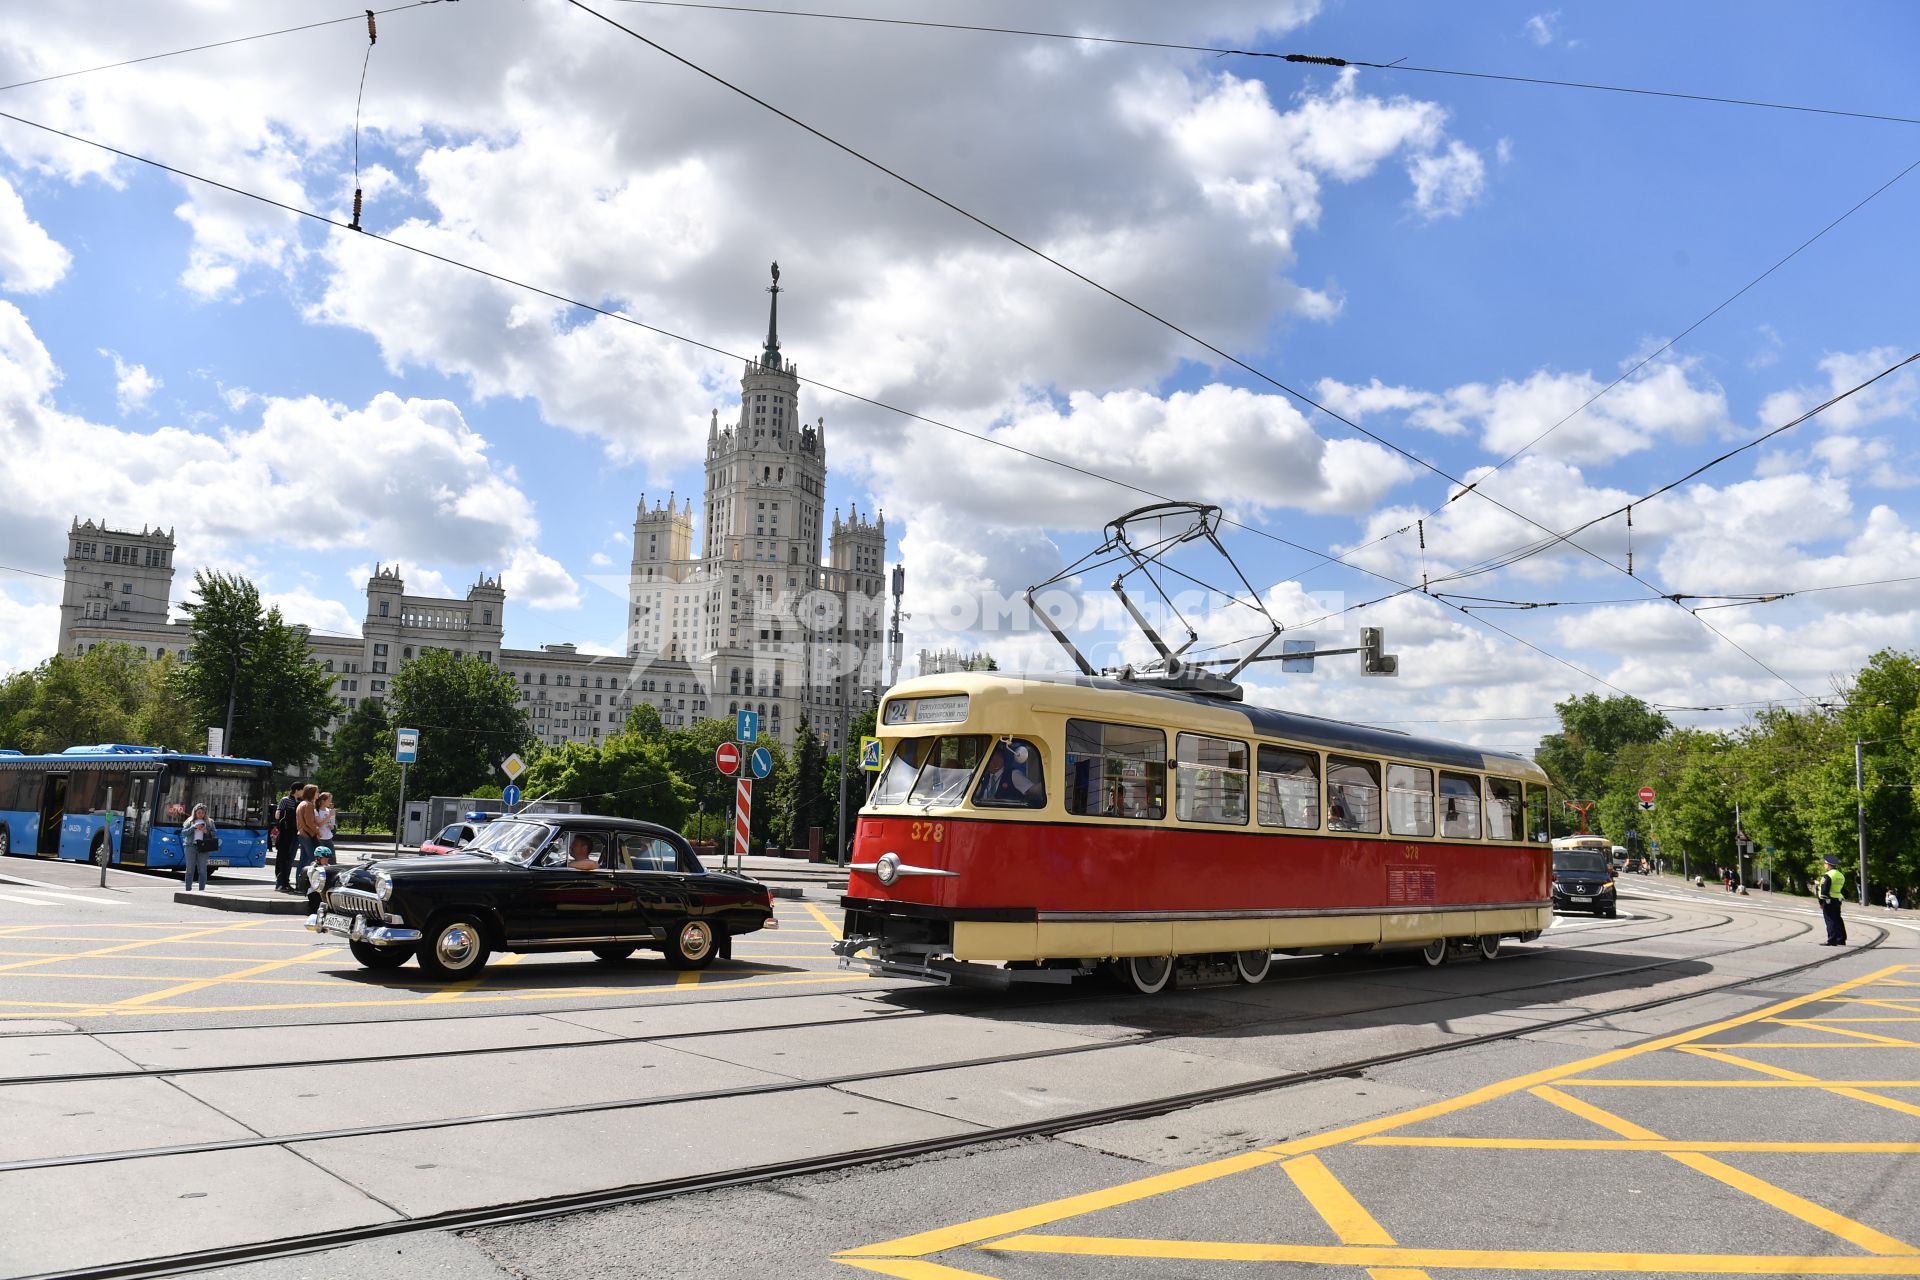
<point>770,358</point>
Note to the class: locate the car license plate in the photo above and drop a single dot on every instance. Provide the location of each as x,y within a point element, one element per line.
<point>1583,897</point>
<point>336,922</point>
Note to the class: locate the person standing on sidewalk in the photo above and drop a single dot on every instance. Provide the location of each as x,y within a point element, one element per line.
<point>197,842</point>
<point>285,838</point>
<point>1830,888</point>
<point>306,820</point>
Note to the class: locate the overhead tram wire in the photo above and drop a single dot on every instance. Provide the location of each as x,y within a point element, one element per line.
<point>1298,58</point>
<point>358,15</point>
<point>1125,301</point>
<point>910,415</point>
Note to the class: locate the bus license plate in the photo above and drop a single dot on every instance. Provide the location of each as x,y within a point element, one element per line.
<point>218,862</point>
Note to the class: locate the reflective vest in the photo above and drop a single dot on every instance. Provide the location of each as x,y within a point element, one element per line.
<point>1833,883</point>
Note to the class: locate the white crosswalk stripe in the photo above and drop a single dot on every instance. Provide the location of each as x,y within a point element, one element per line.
<point>24,899</point>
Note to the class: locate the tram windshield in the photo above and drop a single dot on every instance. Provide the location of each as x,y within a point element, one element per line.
<point>948,769</point>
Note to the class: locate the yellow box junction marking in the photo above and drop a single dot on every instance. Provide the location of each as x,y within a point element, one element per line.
<point>1365,1243</point>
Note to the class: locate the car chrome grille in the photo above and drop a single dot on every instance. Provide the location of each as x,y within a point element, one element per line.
<point>354,901</point>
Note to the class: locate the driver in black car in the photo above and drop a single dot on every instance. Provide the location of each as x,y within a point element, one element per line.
<point>580,854</point>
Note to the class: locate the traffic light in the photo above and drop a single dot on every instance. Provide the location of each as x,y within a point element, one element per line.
<point>1372,661</point>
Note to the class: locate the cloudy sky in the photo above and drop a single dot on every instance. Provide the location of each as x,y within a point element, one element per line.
<point>1453,265</point>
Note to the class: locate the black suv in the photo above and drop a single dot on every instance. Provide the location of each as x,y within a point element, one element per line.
<point>1583,881</point>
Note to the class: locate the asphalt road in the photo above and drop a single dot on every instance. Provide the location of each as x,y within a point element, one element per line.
<point>178,1079</point>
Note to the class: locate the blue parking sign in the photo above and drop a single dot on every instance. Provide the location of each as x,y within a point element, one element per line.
<point>746,726</point>
<point>761,761</point>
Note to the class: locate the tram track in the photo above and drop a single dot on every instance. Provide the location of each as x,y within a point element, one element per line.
<point>1146,1038</point>
<point>1031,1001</point>
<point>537,1208</point>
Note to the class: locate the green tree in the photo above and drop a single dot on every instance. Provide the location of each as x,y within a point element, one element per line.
<point>626,777</point>
<point>644,722</point>
<point>800,797</point>
<point>250,658</point>
<point>1593,730</point>
<point>690,751</point>
<point>469,718</point>
<point>346,766</point>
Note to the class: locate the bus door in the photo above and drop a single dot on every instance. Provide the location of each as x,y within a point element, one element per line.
<point>53,808</point>
<point>137,819</point>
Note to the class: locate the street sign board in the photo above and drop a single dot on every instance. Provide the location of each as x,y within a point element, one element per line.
<point>513,766</point>
<point>870,754</point>
<point>216,741</point>
<point>726,758</point>
<point>1646,799</point>
<point>762,762</point>
<point>406,745</point>
<point>510,796</point>
<point>1297,665</point>
<point>746,727</point>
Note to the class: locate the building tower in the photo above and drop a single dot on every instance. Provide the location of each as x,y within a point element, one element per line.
<point>114,578</point>
<point>662,547</point>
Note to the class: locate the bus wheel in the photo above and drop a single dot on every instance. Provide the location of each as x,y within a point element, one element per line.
<point>1434,954</point>
<point>1252,966</point>
<point>1489,947</point>
<point>6,840</point>
<point>1149,975</point>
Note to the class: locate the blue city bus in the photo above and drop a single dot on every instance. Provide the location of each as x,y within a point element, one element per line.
<point>54,806</point>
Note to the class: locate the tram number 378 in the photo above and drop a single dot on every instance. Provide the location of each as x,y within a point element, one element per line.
<point>928,831</point>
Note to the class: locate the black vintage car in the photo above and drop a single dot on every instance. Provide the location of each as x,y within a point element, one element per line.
<point>552,882</point>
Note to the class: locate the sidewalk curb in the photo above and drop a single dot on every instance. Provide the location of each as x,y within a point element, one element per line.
<point>282,905</point>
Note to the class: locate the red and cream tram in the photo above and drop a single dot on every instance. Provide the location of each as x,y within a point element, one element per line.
<point>1040,826</point>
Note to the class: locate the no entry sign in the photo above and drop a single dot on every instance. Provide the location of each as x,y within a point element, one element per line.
<point>1646,797</point>
<point>726,758</point>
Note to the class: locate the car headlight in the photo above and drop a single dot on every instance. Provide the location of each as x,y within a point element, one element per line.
<point>1607,885</point>
<point>887,869</point>
<point>382,885</point>
<point>317,879</point>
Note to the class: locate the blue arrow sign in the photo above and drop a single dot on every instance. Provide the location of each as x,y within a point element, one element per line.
<point>746,726</point>
<point>761,760</point>
<point>510,796</point>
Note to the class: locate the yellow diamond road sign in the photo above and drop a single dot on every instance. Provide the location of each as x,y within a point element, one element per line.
<point>513,766</point>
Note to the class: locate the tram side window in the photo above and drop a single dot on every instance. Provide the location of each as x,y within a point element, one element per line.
<point>1460,806</point>
<point>1116,770</point>
<point>1289,789</point>
<point>1409,800</point>
<point>1211,785</point>
<point>901,770</point>
<point>1353,795</point>
<point>1505,818</point>
<point>949,767</point>
<point>1538,824</point>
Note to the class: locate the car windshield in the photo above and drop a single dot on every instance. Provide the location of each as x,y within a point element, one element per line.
<point>1581,861</point>
<point>510,841</point>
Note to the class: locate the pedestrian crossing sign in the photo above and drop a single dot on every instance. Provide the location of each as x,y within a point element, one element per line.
<point>870,754</point>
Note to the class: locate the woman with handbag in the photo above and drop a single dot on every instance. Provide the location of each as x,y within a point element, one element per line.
<point>198,839</point>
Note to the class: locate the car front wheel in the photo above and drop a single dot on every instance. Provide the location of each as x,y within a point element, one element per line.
<point>692,945</point>
<point>379,957</point>
<point>455,947</point>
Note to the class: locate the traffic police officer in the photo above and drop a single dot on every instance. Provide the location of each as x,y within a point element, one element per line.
<point>1831,885</point>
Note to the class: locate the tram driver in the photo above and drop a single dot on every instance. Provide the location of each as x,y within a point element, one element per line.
<point>1006,781</point>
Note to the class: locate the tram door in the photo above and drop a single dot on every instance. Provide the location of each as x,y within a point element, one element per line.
<point>53,809</point>
<point>137,819</point>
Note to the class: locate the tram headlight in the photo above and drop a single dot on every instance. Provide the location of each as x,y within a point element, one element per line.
<point>382,885</point>
<point>887,869</point>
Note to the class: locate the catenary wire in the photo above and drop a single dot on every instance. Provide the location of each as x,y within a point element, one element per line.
<point>1139,308</point>
<point>358,15</point>
<point>1309,59</point>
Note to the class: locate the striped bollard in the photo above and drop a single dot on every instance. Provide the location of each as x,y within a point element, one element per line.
<point>743,821</point>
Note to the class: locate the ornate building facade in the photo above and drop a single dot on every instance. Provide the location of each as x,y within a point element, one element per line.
<point>757,619</point>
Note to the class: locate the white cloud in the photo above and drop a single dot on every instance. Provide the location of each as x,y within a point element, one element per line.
<point>317,613</point>
<point>1447,183</point>
<point>133,385</point>
<point>538,581</point>
<point>31,261</point>
<point>29,624</point>
<point>1539,28</point>
<point>1897,395</point>
<point>600,559</point>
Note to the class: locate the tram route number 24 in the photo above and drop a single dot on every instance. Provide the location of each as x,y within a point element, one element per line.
<point>933,831</point>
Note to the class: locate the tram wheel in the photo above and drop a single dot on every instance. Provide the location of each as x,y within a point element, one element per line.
<point>1434,954</point>
<point>1148,975</point>
<point>1252,966</point>
<point>1489,947</point>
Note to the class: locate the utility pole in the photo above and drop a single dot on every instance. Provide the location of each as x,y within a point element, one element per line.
<point>1860,815</point>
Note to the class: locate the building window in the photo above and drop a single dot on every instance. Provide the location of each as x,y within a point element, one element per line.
<point>383,608</point>
<point>379,666</point>
<point>380,650</point>
<point>486,617</point>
